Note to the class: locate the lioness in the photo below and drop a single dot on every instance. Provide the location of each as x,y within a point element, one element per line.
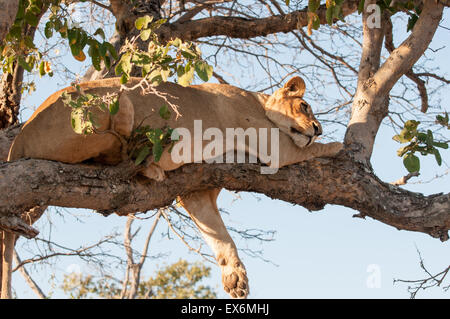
<point>49,135</point>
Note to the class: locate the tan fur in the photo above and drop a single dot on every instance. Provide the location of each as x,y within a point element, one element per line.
<point>48,135</point>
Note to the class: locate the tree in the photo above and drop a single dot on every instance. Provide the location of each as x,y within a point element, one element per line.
<point>177,281</point>
<point>362,78</point>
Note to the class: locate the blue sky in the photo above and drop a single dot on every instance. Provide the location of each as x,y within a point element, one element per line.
<point>326,254</point>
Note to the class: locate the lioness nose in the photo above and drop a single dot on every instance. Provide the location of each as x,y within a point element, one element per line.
<point>317,129</point>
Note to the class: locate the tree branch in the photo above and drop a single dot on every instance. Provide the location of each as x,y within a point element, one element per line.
<point>37,290</point>
<point>406,55</point>
<point>237,27</point>
<point>7,16</point>
<point>371,101</point>
<point>312,184</point>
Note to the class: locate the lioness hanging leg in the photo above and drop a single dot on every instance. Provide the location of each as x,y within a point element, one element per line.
<point>202,208</point>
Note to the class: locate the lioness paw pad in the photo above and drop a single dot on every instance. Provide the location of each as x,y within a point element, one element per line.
<point>234,280</point>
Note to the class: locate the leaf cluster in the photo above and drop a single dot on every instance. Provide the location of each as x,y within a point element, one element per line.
<point>419,141</point>
<point>146,140</point>
<point>19,46</point>
<point>82,118</point>
<point>179,280</point>
<point>162,61</point>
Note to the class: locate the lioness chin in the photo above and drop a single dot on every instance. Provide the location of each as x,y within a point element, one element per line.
<point>48,135</point>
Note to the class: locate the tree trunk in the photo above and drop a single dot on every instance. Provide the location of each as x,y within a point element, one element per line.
<point>8,14</point>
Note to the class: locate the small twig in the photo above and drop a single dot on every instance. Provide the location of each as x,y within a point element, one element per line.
<point>149,88</point>
<point>198,250</point>
<point>101,5</point>
<point>28,278</point>
<point>404,179</point>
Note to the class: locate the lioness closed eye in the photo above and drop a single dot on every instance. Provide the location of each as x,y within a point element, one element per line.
<point>48,135</point>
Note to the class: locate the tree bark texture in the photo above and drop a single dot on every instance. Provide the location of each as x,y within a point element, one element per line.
<point>8,14</point>
<point>312,184</point>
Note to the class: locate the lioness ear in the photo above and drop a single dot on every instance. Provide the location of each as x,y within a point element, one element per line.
<point>295,86</point>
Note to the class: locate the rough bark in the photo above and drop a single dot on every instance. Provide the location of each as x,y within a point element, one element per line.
<point>10,98</point>
<point>371,101</point>
<point>8,248</point>
<point>313,184</point>
<point>10,95</point>
<point>236,27</point>
<point>7,16</point>
<point>346,180</point>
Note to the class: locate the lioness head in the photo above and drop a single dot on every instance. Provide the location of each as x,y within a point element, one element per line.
<point>287,109</point>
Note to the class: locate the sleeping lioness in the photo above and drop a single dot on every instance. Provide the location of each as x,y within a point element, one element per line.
<point>49,135</point>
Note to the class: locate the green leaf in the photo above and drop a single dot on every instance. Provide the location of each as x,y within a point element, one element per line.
<point>114,107</point>
<point>96,59</point>
<point>316,22</point>
<point>204,70</point>
<point>157,151</point>
<point>124,79</point>
<point>361,6</point>
<point>313,5</point>
<point>164,112</point>
<point>188,53</point>
<point>411,162</point>
<point>142,22</point>
<point>31,19</point>
<point>72,36</point>
<point>186,78</point>
<point>48,30</point>
<point>411,125</point>
<point>145,34</point>
<point>438,157</point>
<point>34,9</point>
<point>124,64</point>
<point>287,2</point>
<point>411,22</point>
<point>101,33</point>
<point>422,137</point>
<point>429,138</point>
<point>42,69</point>
<point>441,145</point>
<point>329,15</point>
<point>66,97</point>
<point>107,61</point>
<point>111,50</point>
<point>401,151</point>
<point>176,43</point>
<point>400,138</point>
<point>24,64</point>
<point>77,120</point>
<point>102,49</point>
<point>143,153</point>
<point>165,73</point>
<point>154,136</point>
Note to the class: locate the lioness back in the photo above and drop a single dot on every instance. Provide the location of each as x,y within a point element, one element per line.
<point>48,133</point>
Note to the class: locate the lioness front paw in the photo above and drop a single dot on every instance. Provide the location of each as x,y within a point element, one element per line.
<point>153,171</point>
<point>333,148</point>
<point>234,278</point>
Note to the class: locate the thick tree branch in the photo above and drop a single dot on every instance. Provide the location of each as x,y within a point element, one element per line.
<point>7,16</point>
<point>406,55</point>
<point>237,27</point>
<point>371,101</point>
<point>389,45</point>
<point>312,184</point>
<point>368,110</point>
